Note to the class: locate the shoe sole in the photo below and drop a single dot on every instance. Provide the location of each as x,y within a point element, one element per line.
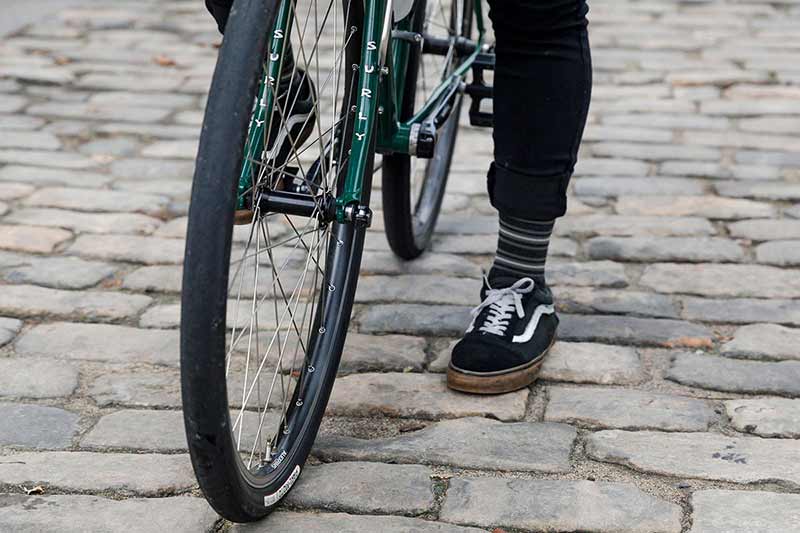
<point>496,383</point>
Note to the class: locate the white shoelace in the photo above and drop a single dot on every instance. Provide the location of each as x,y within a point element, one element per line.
<point>501,304</point>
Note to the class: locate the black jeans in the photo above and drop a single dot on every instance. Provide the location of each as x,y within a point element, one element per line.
<point>542,88</point>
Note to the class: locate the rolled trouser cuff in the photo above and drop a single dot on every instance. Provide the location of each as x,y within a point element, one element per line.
<point>525,196</point>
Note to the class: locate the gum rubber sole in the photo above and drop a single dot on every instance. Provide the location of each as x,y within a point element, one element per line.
<point>496,383</point>
<point>492,384</point>
<point>242,217</point>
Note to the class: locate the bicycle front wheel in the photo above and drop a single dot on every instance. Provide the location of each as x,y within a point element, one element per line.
<point>413,188</point>
<point>265,308</point>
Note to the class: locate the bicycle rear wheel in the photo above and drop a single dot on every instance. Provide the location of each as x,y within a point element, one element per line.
<point>413,188</point>
<point>265,308</point>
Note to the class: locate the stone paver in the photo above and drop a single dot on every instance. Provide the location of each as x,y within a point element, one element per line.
<point>699,455</point>
<point>555,505</point>
<point>730,511</point>
<point>632,226</point>
<point>588,300</point>
<point>9,327</point>
<point>138,388</point>
<point>145,474</point>
<point>367,353</point>
<point>36,426</point>
<point>415,319</point>
<point>627,409</point>
<point>769,417</point>
<point>66,198</point>
<point>125,223</point>
<point>54,272</point>
<point>430,263</point>
<point>779,253</point>
<point>725,374</point>
<point>37,378</point>
<point>31,239</point>
<point>741,310</point>
<point>50,176</point>
<point>100,342</point>
<point>764,341</point>
<point>138,430</point>
<point>722,280</point>
<point>649,249</point>
<point>129,248</point>
<point>693,206</point>
<point>287,522</point>
<point>421,289</point>
<point>77,514</point>
<point>468,442</point>
<point>30,300</point>
<point>370,488</point>
<point>632,330</point>
<point>675,274</point>
<point>590,274</point>
<point>586,362</point>
<point>418,396</point>
<point>159,278</point>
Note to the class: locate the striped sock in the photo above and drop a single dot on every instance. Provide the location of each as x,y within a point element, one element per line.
<point>521,248</point>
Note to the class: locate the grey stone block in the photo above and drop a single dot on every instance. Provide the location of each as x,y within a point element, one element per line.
<point>699,455</point>
<point>725,374</point>
<point>36,378</point>
<point>556,505</point>
<point>78,514</point>
<point>630,330</point>
<point>36,426</point>
<point>477,443</point>
<point>418,396</point>
<point>764,341</point>
<point>627,409</point>
<point>100,342</point>
<point>368,488</point>
<point>145,474</point>
<point>768,417</point>
<point>727,511</point>
<point>287,522</point>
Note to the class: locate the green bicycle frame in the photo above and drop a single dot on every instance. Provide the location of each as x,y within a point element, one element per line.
<point>380,95</point>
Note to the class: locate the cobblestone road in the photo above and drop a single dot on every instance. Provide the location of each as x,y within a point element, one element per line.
<point>665,407</point>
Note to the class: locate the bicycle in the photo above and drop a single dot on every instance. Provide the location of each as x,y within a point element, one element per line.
<point>266,305</point>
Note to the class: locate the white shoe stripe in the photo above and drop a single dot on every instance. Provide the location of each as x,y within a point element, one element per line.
<point>531,327</point>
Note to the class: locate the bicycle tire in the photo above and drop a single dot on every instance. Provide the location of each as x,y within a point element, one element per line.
<point>238,492</point>
<point>409,228</point>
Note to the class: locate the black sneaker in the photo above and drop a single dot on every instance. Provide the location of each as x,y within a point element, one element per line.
<point>504,346</point>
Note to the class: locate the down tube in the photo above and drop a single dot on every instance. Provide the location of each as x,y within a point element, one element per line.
<point>366,109</point>
<point>260,121</point>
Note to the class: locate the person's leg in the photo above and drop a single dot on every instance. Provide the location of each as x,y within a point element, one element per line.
<point>542,86</point>
<point>220,9</point>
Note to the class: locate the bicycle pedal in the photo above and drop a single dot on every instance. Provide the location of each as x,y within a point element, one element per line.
<point>479,91</point>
